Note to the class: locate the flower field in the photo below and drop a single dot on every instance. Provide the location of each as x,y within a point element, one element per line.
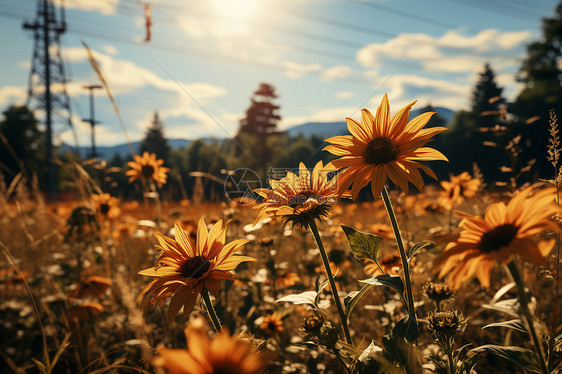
<point>458,278</point>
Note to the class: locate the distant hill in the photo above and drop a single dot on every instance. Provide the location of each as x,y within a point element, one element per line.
<point>108,152</point>
<point>321,129</point>
<point>328,129</point>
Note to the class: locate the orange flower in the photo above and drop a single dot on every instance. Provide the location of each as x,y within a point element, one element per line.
<point>288,280</point>
<point>224,354</point>
<point>106,205</point>
<point>459,187</point>
<point>185,270</point>
<point>84,311</point>
<point>299,198</point>
<point>390,264</point>
<point>380,147</point>
<point>504,230</point>
<point>272,324</point>
<point>147,169</point>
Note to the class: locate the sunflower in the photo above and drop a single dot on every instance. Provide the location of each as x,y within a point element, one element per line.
<point>272,323</point>
<point>459,187</point>
<point>380,147</point>
<point>185,270</point>
<point>147,168</point>
<point>223,354</point>
<point>299,198</point>
<point>95,286</point>
<point>106,205</point>
<point>504,230</point>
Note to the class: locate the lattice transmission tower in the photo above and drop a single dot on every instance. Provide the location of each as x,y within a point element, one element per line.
<point>47,94</point>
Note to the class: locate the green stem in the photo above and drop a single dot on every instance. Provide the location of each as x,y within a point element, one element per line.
<point>527,315</point>
<point>326,263</point>
<point>211,310</point>
<point>398,236</point>
<point>452,367</point>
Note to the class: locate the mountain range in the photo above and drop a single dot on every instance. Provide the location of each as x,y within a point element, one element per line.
<point>320,129</point>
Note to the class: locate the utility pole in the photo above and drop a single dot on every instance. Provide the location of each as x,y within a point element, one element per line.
<point>92,120</point>
<point>47,82</point>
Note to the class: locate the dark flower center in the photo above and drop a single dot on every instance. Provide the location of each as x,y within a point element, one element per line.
<point>195,267</point>
<point>272,326</point>
<point>380,151</point>
<point>104,208</point>
<point>498,237</point>
<point>147,171</point>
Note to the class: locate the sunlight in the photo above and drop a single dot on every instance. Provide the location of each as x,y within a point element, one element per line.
<point>236,9</point>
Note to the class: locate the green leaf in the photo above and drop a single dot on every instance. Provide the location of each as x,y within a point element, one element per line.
<point>418,247</point>
<point>407,328</point>
<point>515,324</point>
<point>307,297</point>
<point>363,246</point>
<point>468,363</point>
<point>351,300</point>
<point>524,358</point>
<point>392,281</point>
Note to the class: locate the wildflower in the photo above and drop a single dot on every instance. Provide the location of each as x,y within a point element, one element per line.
<point>459,187</point>
<point>299,198</point>
<point>184,270</point>
<point>223,354</point>
<point>106,205</point>
<point>148,169</point>
<point>503,231</point>
<point>272,323</point>
<point>288,280</point>
<point>444,326</point>
<point>312,322</point>
<point>437,292</point>
<point>380,147</point>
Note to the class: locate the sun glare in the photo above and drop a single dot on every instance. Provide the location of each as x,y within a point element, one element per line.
<point>236,9</point>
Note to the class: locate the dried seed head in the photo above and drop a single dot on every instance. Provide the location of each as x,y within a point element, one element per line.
<point>437,292</point>
<point>328,335</point>
<point>312,323</point>
<point>449,321</point>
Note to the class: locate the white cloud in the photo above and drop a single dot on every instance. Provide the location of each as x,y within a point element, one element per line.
<point>110,49</point>
<point>296,70</point>
<point>450,53</point>
<point>320,115</point>
<point>344,94</point>
<point>336,72</point>
<point>12,95</point>
<point>102,6</point>
<point>125,76</point>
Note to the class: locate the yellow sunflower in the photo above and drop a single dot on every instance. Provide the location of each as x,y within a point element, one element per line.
<point>380,147</point>
<point>299,198</point>
<point>272,323</point>
<point>503,231</point>
<point>106,205</point>
<point>147,168</point>
<point>185,270</point>
<point>223,354</point>
<point>457,189</point>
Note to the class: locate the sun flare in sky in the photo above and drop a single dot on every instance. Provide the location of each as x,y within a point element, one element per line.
<point>236,9</point>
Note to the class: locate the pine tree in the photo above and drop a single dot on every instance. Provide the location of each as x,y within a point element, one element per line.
<point>486,98</point>
<point>541,75</point>
<point>22,145</point>
<point>541,72</point>
<point>154,140</point>
<point>258,135</point>
<point>262,115</point>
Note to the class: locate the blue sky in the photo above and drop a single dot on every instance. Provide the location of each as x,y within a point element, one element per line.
<point>326,58</point>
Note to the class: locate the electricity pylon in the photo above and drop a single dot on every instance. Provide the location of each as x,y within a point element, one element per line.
<point>47,94</point>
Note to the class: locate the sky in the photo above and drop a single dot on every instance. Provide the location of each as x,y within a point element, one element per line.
<point>327,59</point>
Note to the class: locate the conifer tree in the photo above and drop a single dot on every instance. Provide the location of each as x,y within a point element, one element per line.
<point>154,140</point>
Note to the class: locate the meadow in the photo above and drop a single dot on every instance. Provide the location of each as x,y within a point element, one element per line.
<point>406,283</point>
